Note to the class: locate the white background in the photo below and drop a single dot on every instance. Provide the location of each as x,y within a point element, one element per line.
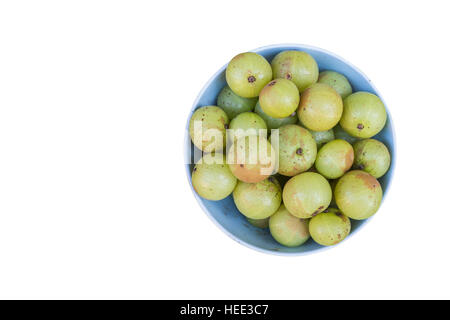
<point>94,200</point>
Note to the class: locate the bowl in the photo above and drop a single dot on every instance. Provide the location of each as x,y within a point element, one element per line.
<point>224,212</point>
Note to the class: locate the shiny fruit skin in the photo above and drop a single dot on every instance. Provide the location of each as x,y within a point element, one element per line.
<point>329,228</point>
<point>213,123</point>
<point>249,123</point>
<point>334,159</point>
<point>213,180</point>
<point>251,159</point>
<point>275,123</point>
<point>288,230</point>
<point>279,98</point>
<point>322,137</point>
<point>340,133</point>
<point>358,194</point>
<point>297,66</point>
<point>372,156</point>
<point>320,107</point>
<point>246,123</point>
<point>297,150</point>
<point>337,81</point>
<point>364,115</point>
<point>258,200</point>
<point>233,104</point>
<point>259,223</point>
<point>307,194</point>
<point>247,73</point>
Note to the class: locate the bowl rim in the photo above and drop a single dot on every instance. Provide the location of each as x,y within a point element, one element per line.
<point>186,151</point>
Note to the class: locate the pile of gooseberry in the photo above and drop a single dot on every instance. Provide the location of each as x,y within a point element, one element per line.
<point>293,146</point>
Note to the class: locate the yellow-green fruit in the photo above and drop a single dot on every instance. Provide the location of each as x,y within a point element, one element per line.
<point>337,81</point>
<point>297,66</point>
<point>364,115</point>
<point>322,137</point>
<point>212,178</point>
<point>358,194</point>
<point>233,104</point>
<point>334,159</point>
<point>297,150</point>
<point>207,128</point>
<point>258,200</point>
<point>320,107</point>
<point>340,133</point>
<point>275,123</point>
<point>247,123</point>
<point>247,73</point>
<point>329,228</point>
<point>372,156</point>
<point>259,223</point>
<point>251,159</point>
<point>288,230</point>
<point>307,194</point>
<point>279,98</point>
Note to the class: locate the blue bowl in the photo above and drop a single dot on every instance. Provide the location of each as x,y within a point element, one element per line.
<point>224,213</point>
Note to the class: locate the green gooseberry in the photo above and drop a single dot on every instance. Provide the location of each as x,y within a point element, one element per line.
<point>358,194</point>
<point>322,137</point>
<point>330,227</point>
<point>320,107</point>
<point>297,150</point>
<point>247,73</point>
<point>258,200</point>
<point>307,194</point>
<point>334,159</point>
<point>251,158</point>
<point>297,66</point>
<point>212,178</point>
<point>288,230</point>
<point>372,156</point>
<point>233,104</point>
<point>337,81</point>
<point>364,115</point>
<point>247,123</point>
<point>279,98</point>
<point>207,128</point>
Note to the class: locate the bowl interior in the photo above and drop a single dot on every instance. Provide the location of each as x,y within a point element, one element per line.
<point>224,212</point>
